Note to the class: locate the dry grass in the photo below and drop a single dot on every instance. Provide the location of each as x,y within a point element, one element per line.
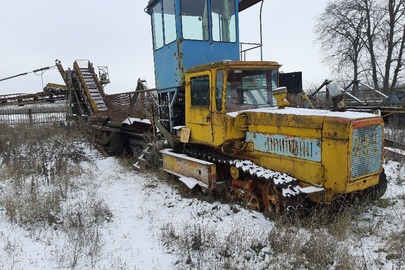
<point>323,240</point>
<point>395,248</point>
<point>39,172</point>
<point>40,168</point>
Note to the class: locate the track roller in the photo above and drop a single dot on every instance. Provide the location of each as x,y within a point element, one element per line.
<point>273,200</point>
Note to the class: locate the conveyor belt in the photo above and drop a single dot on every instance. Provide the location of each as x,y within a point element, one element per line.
<point>91,86</point>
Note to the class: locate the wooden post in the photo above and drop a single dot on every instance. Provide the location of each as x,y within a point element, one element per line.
<point>30,115</point>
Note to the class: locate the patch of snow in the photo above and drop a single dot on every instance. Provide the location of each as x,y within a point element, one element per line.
<point>395,150</point>
<point>309,190</point>
<point>189,182</point>
<point>132,120</point>
<point>307,112</point>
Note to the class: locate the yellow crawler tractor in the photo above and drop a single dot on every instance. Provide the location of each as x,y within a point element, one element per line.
<point>271,156</point>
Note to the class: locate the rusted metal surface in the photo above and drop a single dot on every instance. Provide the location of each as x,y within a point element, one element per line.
<point>130,104</point>
<point>258,194</point>
<point>387,101</point>
<point>40,97</point>
<point>182,165</point>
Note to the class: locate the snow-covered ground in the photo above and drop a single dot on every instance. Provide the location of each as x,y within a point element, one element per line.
<point>113,217</point>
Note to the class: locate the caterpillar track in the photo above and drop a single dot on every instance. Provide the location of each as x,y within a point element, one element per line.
<point>258,187</point>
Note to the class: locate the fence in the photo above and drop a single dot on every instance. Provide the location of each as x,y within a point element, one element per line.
<point>35,116</point>
<point>381,99</point>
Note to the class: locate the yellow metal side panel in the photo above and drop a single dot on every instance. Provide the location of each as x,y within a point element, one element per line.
<point>363,183</point>
<point>224,129</point>
<point>304,170</point>
<point>302,132</point>
<point>308,127</point>
<point>219,127</point>
<point>200,125</point>
<point>337,128</point>
<point>335,147</point>
<point>221,130</point>
<point>285,120</point>
<point>286,124</point>
<point>335,161</point>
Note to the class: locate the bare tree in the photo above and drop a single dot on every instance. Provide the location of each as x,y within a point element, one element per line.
<point>340,32</point>
<point>366,37</point>
<point>374,16</point>
<point>395,40</point>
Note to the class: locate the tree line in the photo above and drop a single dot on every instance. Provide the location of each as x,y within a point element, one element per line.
<point>364,40</point>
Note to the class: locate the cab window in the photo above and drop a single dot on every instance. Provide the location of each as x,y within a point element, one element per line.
<point>250,88</point>
<point>223,20</point>
<point>157,23</point>
<point>200,91</point>
<point>163,23</point>
<point>169,21</point>
<point>194,19</point>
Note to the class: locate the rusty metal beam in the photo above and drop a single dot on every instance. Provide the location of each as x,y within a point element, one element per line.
<point>190,169</point>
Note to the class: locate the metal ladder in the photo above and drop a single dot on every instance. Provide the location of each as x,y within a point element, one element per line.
<point>142,160</point>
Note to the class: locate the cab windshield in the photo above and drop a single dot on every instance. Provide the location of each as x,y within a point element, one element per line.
<point>250,89</point>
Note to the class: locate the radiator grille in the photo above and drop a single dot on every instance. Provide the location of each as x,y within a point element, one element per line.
<point>366,150</point>
<point>290,146</point>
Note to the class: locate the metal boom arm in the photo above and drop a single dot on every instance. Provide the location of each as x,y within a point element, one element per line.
<point>25,73</point>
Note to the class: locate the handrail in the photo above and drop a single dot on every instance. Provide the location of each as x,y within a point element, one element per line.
<point>253,46</point>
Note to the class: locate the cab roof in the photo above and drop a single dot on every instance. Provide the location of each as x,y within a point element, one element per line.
<point>230,64</point>
<point>243,4</point>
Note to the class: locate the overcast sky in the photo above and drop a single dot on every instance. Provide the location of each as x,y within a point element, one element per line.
<point>117,34</point>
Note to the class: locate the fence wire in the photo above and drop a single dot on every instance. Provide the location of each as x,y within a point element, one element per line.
<point>44,115</point>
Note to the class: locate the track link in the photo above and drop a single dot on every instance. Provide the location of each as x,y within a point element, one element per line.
<point>260,188</point>
<point>288,184</point>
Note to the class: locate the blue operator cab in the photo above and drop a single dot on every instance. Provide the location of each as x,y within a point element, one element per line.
<point>186,34</point>
<point>190,33</point>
